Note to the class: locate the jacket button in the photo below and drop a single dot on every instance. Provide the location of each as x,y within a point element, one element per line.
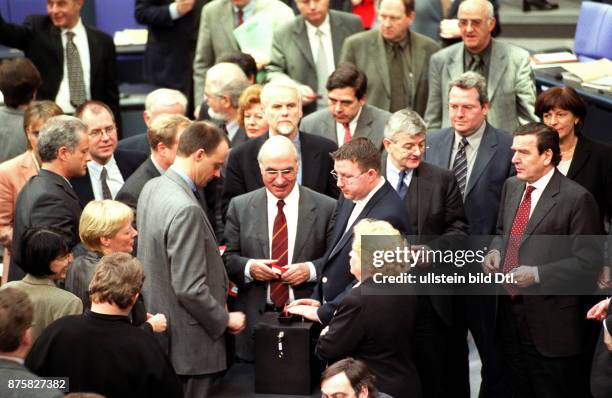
<point>324,279</point>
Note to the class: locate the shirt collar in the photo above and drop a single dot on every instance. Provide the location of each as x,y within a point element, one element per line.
<point>248,7</point>
<point>291,199</point>
<point>14,359</point>
<point>96,167</point>
<point>391,167</point>
<point>324,27</point>
<point>157,166</point>
<point>78,29</point>
<point>543,181</point>
<point>474,139</point>
<point>33,280</point>
<point>184,176</point>
<point>365,200</point>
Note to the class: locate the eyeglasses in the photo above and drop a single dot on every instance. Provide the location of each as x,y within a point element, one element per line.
<point>476,23</point>
<point>345,179</point>
<point>275,173</point>
<point>97,133</point>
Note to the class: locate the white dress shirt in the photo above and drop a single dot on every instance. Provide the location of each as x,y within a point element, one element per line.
<point>471,150</point>
<point>81,43</point>
<point>114,179</point>
<point>539,186</point>
<point>360,204</point>
<point>393,172</point>
<point>352,127</point>
<point>313,39</point>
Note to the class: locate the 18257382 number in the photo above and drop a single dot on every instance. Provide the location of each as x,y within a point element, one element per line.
<point>50,383</point>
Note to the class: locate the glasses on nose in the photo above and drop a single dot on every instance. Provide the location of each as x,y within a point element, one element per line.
<point>275,173</point>
<point>475,23</point>
<point>346,179</point>
<point>97,133</point>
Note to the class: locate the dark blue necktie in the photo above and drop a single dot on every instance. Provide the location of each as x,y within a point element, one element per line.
<point>401,188</point>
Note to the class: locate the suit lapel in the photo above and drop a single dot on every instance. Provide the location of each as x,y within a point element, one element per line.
<point>329,126</point>
<point>177,179</point>
<point>512,202</point>
<point>423,195</point>
<point>442,152</point>
<point>417,58</point>
<point>455,64</point>
<point>259,212</point>
<point>338,33</point>
<point>483,157</point>
<point>545,204</point>
<point>306,219</point>
<point>498,59</point>
<point>310,157</point>
<point>344,212</point>
<point>56,43</point>
<point>94,56</point>
<point>300,36</point>
<point>582,153</point>
<point>378,47</point>
<point>226,23</point>
<point>364,123</point>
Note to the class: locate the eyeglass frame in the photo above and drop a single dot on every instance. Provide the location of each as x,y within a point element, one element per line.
<point>347,180</point>
<point>98,133</point>
<point>276,173</point>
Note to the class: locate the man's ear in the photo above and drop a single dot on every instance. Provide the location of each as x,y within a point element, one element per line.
<point>363,392</point>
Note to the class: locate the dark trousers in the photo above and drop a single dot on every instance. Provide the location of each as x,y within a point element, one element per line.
<point>528,373</point>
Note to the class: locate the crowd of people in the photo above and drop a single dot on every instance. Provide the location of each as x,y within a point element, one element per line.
<point>142,266</point>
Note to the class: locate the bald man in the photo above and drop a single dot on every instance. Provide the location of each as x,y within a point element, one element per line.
<point>307,215</point>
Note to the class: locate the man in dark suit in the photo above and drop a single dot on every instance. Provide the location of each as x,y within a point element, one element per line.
<point>432,197</point>
<point>482,167</point>
<point>365,194</point>
<point>282,109</point>
<point>250,237</point>
<point>16,315</point>
<point>164,135</point>
<point>347,114</point>
<point>602,360</point>
<point>91,68</point>
<point>298,54</point>
<point>543,219</point>
<point>109,167</point>
<point>173,30</point>
<point>48,199</point>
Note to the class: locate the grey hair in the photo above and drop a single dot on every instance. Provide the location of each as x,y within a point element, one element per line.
<point>227,79</point>
<point>469,80</point>
<point>59,131</point>
<point>267,92</point>
<point>487,4</point>
<point>405,121</point>
<point>165,97</point>
<point>275,145</point>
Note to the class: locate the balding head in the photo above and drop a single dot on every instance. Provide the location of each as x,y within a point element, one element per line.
<point>476,23</point>
<point>164,101</point>
<point>279,165</point>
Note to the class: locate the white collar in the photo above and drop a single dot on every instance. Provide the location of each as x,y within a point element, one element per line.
<point>325,27</point>
<point>97,167</point>
<point>543,181</point>
<point>474,139</point>
<point>78,29</point>
<point>291,199</point>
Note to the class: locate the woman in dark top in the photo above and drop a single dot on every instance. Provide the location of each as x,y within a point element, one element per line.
<point>376,328</point>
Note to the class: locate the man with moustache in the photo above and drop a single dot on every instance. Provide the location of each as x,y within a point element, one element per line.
<point>283,110</point>
<point>48,199</point>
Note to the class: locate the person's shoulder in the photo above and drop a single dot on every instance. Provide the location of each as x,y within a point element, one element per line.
<point>362,37</point>
<point>513,51</point>
<point>424,41</point>
<point>430,169</point>
<point>447,52</point>
<point>99,36</point>
<point>321,144</point>
<point>316,197</point>
<point>345,17</point>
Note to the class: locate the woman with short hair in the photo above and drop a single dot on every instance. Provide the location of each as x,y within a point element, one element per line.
<point>250,112</point>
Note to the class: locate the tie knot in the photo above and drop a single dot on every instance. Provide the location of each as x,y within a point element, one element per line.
<point>319,33</point>
<point>402,175</point>
<point>70,35</point>
<point>280,204</point>
<point>103,173</point>
<point>529,190</point>
<point>463,143</point>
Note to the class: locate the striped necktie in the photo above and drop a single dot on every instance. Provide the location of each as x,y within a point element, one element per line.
<point>460,165</point>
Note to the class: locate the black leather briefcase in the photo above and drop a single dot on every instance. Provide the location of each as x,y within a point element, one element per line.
<point>284,356</point>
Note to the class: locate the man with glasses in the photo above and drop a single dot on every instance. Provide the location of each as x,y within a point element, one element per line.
<point>347,114</point>
<point>433,199</point>
<point>506,68</point>
<point>394,58</point>
<point>365,194</point>
<point>109,167</point>
<point>293,226</point>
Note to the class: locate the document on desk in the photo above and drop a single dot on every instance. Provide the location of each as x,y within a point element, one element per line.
<point>254,36</point>
<point>589,71</point>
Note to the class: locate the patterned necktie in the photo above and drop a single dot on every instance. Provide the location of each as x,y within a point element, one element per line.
<point>519,224</point>
<point>347,133</point>
<point>106,193</point>
<point>322,71</point>
<point>460,165</point>
<point>399,93</point>
<point>401,188</point>
<point>476,64</point>
<point>76,81</point>
<point>279,292</point>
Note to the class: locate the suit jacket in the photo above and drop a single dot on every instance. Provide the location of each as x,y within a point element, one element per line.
<point>367,51</point>
<point>602,365</point>
<point>379,330</point>
<point>14,174</point>
<point>49,301</point>
<point>47,199</point>
<point>127,162</point>
<point>510,86</point>
<point>11,133</point>
<point>185,276</point>
<point>12,370</point>
<point>132,187</point>
<point>292,54</point>
<point>42,44</point>
<point>216,37</point>
<point>566,261</point>
<point>168,56</point>
<point>243,174</point>
<point>333,269</point>
<point>246,233</point>
<point>492,167</point>
<point>138,143</point>
<point>371,124</point>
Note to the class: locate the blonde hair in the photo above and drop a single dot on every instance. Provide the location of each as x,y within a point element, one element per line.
<point>165,128</point>
<point>388,239</point>
<point>102,218</point>
<point>118,277</point>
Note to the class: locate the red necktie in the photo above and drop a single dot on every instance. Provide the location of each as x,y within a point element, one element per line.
<point>347,133</point>
<point>511,261</point>
<point>279,292</point>
<point>240,16</point>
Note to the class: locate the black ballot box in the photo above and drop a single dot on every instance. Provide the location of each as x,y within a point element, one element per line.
<point>285,362</point>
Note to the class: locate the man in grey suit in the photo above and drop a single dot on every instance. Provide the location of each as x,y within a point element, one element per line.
<point>544,228</point>
<point>16,314</point>
<point>308,48</point>
<point>218,20</point>
<point>394,58</point>
<point>506,68</point>
<point>347,114</point>
<point>249,233</point>
<point>481,169</point>
<point>185,276</point>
